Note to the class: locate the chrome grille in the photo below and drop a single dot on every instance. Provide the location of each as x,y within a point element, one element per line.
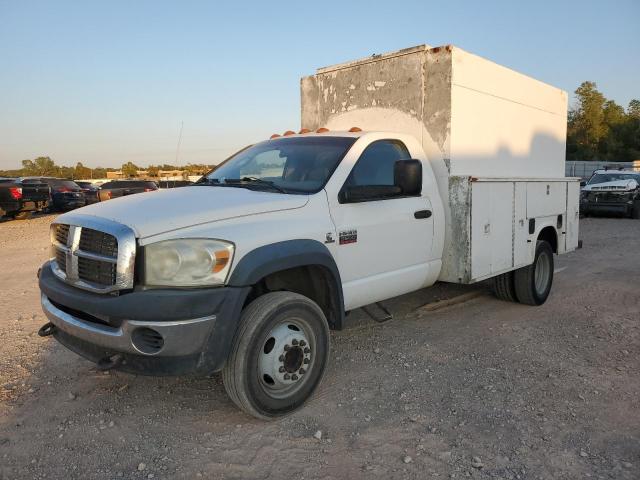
<point>98,242</point>
<point>93,254</point>
<point>61,232</point>
<point>61,258</point>
<point>96,271</point>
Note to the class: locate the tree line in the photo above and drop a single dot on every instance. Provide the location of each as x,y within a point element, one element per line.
<point>46,167</point>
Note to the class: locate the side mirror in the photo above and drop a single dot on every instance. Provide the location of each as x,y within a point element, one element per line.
<point>407,175</point>
<point>583,183</point>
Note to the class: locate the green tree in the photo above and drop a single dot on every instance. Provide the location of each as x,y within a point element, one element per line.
<point>153,171</point>
<point>613,113</point>
<point>634,109</point>
<point>586,124</point>
<point>129,170</point>
<point>41,167</point>
<point>99,172</point>
<point>82,172</point>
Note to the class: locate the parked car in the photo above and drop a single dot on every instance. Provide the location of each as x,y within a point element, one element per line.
<point>90,191</point>
<point>65,194</point>
<point>246,272</point>
<point>612,192</point>
<point>19,200</point>
<point>122,188</point>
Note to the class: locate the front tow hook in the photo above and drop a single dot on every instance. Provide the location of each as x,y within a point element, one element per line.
<point>47,329</point>
<point>107,363</point>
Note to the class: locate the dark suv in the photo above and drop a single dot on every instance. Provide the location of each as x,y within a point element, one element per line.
<point>65,194</point>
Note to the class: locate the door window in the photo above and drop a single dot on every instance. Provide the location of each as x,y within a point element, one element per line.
<point>375,165</point>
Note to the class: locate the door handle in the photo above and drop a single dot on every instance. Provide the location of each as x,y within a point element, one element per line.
<point>422,214</point>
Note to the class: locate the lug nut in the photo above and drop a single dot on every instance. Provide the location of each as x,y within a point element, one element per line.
<point>281,358</point>
<point>294,341</point>
<point>281,369</point>
<point>294,377</point>
<point>306,361</point>
<point>302,371</point>
<point>286,347</point>
<point>303,343</point>
<point>307,350</point>
<point>286,376</point>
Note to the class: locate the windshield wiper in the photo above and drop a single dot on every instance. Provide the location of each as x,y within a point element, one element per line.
<point>255,180</point>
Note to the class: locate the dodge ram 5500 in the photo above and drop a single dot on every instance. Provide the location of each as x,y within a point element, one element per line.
<point>246,271</point>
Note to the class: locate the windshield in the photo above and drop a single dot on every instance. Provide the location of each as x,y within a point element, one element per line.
<point>289,165</point>
<point>613,177</point>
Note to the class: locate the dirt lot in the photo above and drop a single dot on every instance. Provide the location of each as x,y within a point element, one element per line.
<point>531,393</point>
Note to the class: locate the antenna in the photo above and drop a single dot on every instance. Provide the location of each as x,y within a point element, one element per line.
<point>179,142</point>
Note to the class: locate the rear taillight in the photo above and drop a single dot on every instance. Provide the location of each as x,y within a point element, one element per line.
<point>16,192</point>
<point>63,190</point>
<point>149,189</point>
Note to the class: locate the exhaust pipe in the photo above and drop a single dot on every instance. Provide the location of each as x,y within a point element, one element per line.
<point>107,363</point>
<point>47,329</point>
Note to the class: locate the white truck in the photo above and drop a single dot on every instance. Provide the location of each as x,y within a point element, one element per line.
<point>453,173</point>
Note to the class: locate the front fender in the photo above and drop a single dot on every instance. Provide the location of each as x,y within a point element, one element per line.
<point>276,257</point>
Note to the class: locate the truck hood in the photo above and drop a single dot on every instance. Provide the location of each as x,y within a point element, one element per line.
<point>614,186</point>
<point>161,211</point>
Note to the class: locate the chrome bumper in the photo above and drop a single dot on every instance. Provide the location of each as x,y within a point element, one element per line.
<point>183,337</point>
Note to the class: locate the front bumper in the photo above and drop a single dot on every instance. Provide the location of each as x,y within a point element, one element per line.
<point>196,325</point>
<point>182,337</point>
<point>616,208</point>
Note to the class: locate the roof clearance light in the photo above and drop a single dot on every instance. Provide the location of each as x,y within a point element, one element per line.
<point>288,132</point>
<point>304,130</point>
<point>275,135</point>
<point>322,130</point>
<point>355,129</point>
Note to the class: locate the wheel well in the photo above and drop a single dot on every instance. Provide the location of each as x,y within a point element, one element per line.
<point>313,281</point>
<point>550,235</point>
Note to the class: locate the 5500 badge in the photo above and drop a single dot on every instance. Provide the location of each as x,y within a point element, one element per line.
<point>348,236</point>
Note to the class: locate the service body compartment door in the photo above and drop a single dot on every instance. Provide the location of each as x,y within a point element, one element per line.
<point>573,214</point>
<point>545,199</point>
<point>491,227</point>
<point>521,250</point>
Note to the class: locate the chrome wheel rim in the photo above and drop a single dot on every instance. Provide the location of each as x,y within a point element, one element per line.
<point>543,270</point>
<point>286,357</point>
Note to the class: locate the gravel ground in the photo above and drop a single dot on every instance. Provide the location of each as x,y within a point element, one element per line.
<point>480,389</point>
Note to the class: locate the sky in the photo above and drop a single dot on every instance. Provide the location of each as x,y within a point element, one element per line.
<point>107,82</point>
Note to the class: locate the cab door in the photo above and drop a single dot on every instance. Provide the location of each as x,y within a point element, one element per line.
<point>383,243</point>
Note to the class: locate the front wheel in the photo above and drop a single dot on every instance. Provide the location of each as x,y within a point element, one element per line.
<point>278,356</point>
<point>533,283</point>
<point>635,211</point>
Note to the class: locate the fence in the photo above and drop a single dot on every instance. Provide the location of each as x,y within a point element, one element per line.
<point>584,169</point>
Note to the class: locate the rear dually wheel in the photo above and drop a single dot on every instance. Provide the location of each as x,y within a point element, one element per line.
<point>533,283</point>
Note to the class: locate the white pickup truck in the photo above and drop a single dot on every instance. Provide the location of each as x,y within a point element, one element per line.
<point>247,271</point>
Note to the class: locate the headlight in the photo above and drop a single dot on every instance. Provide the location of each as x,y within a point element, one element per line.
<point>187,262</point>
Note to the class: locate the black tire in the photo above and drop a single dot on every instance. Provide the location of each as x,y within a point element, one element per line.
<point>635,211</point>
<point>243,374</point>
<point>504,287</point>
<point>21,215</point>
<point>533,283</point>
